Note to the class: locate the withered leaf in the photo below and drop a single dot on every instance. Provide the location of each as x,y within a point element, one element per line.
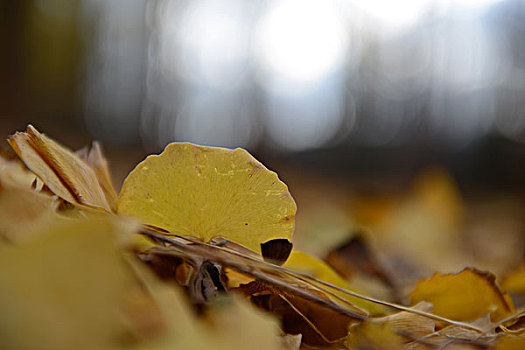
<point>61,170</point>
<point>276,251</point>
<point>94,157</point>
<point>318,325</point>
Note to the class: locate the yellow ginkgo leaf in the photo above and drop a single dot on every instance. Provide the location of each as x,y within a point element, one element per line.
<point>304,263</point>
<point>515,281</point>
<point>61,170</point>
<point>209,192</point>
<point>464,296</point>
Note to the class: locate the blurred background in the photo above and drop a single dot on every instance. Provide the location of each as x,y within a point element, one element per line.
<point>400,116</point>
<point>375,88</point>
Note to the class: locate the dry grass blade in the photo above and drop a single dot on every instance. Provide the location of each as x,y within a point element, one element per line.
<point>266,272</point>
<point>277,276</point>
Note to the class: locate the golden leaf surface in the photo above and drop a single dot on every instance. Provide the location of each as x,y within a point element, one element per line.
<point>464,296</point>
<point>61,170</point>
<point>209,192</point>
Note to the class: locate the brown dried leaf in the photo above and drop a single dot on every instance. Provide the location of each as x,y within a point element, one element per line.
<point>318,325</point>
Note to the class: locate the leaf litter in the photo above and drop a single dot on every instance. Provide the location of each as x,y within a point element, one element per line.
<point>196,252</point>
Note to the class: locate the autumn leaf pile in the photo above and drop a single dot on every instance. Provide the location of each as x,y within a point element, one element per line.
<point>196,252</point>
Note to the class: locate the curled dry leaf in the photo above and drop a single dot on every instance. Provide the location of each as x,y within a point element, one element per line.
<point>94,157</point>
<point>464,296</point>
<point>64,173</point>
<point>206,192</point>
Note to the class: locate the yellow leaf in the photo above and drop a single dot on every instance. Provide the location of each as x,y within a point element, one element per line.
<point>304,263</point>
<point>61,170</point>
<point>511,343</point>
<point>515,281</point>
<point>63,290</point>
<point>436,191</point>
<point>208,192</point>
<point>464,296</point>
<point>368,336</point>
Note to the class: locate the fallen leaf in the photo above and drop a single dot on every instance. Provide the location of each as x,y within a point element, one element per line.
<point>235,323</point>
<point>291,342</point>
<point>207,192</point>
<point>410,324</point>
<point>276,251</point>
<point>368,336</point>
<point>63,289</point>
<point>464,296</point>
<point>511,343</point>
<point>304,263</point>
<point>458,336</point>
<point>95,158</point>
<point>318,326</point>
<point>22,211</point>
<point>515,281</point>
<point>14,174</point>
<point>61,170</point>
